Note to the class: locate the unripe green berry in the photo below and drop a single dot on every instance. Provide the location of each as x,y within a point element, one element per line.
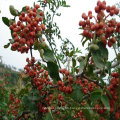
<point>80,58</point>
<point>43,45</point>
<point>41,53</point>
<point>94,47</point>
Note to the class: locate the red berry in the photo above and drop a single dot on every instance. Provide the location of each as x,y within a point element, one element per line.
<point>37,6</point>
<point>117,115</point>
<point>67,72</point>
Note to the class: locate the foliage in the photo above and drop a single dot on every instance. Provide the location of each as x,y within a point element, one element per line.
<point>78,91</point>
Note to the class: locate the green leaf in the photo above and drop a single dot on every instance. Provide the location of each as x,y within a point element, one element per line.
<point>34,95</point>
<point>98,59</point>
<point>108,92</point>
<point>48,116</point>
<point>95,96</point>
<point>90,69</point>
<point>88,113</point>
<point>108,65</point>
<point>6,46</point>
<point>36,45</point>
<point>11,41</point>
<point>105,101</point>
<point>58,14</point>
<point>83,43</point>
<point>100,56</point>
<point>12,34</point>
<point>5,21</point>
<point>66,6</point>
<point>23,92</point>
<point>29,104</point>
<point>53,71</point>
<point>102,82</point>
<point>82,64</point>
<point>73,62</point>
<point>77,93</point>
<point>48,55</point>
<point>103,50</point>
<point>24,9</point>
<point>25,100</point>
<point>71,53</point>
<point>67,53</point>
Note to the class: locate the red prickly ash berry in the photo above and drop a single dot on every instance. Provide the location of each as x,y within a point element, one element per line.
<point>67,72</point>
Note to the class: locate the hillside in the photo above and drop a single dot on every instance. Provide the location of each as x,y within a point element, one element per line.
<point>8,74</point>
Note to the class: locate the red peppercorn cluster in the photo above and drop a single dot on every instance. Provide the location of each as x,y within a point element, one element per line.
<point>61,100</point>
<point>114,88</point>
<point>25,31</point>
<point>41,81</point>
<point>39,76</point>
<point>52,99</point>
<point>79,115</point>
<point>101,28</point>
<point>14,105</point>
<point>86,86</point>
<point>65,88</point>
<point>100,109</point>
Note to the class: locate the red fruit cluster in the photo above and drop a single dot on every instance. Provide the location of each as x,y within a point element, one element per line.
<point>49,100</point>
<point>40,77</point>
<point>86,86</point>
<point>101,28</point>
<point>25,31</point>
<point>100,109</point>
<point>114,90</point>
<point>64,71</point>
<point>61,100</point>
<point>79,115</point>
<point>66,88</point>
<point>40,80</point>
<point>14,105</point>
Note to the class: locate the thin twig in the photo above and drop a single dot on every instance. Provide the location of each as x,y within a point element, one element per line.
<point>48,39</point>
<point>53,51</point>
<point>31,51</point>
<point>96,82</point>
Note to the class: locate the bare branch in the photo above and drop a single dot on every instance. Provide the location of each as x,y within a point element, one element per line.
<point>96,82</point>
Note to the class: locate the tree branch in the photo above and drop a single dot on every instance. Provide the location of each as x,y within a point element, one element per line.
<point>113,65</point>
<point>96,82</point>
<point>31,51</point>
